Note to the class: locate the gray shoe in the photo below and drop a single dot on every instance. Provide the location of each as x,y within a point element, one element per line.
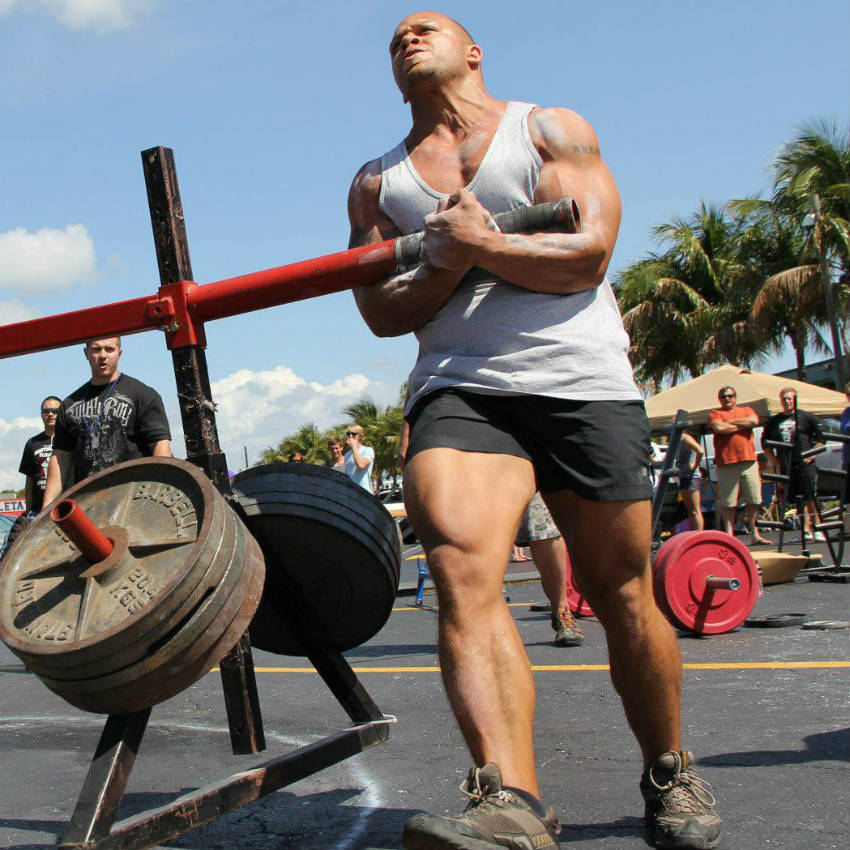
<point>679,805</point>
<point>494,817</point>
<point>567,631</point>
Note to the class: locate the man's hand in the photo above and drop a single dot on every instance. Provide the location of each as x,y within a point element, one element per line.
<point>453,233</point>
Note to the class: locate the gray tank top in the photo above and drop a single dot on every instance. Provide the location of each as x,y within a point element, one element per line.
<point>492,336</point>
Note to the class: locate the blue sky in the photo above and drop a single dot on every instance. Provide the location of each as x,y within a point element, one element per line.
<point>271,107</point>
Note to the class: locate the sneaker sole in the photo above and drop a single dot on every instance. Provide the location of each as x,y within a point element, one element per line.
<point>431,834</point>
<point>439,839</point>
<point>666,838</point>
<point>570,642</point>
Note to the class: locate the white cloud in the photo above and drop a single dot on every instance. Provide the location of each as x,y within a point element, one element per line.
<point>14,310</point>
<point>46,260</point>
<point>13,435</point>
<point>100,15</point>
<point>258,409</point>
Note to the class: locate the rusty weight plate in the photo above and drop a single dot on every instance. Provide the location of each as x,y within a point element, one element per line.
<point>330,540</point>
<point>175,541</point>
<point>194,645</point>
<point>682,575</point>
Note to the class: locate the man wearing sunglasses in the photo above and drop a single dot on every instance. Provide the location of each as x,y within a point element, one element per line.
<point>359,459</point>
<point>36,455</point>
<point>735,457</point>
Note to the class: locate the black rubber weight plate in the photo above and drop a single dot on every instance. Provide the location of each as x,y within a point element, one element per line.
<point>331,539</point>
<point>775,621</point>
<point>823,625</point>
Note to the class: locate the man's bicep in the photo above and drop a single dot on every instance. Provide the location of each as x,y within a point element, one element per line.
<point>573,167</point>
<point>368,222</point>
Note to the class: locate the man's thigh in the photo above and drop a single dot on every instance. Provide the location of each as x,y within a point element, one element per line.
<point>728,484</point>
<point>470,502</point>
<point>750,484</point>
<point>608,541</point>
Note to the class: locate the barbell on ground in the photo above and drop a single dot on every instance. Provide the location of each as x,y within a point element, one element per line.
<point>142,577</point>
<point>705,582</point>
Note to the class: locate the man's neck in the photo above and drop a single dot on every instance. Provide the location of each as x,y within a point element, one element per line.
<point>50,430</point>
<point>99,382</point>
<point>453,109</point>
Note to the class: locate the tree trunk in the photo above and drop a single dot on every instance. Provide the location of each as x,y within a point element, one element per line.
<point>800,353</point>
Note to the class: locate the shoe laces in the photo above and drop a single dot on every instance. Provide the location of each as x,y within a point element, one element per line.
<point>471,787</point>
<point>688,792</point>
<point>566,620</point>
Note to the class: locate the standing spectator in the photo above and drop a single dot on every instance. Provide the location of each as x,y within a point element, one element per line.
<point>688,458</point>
<point>109,419</point>
<point>735,458</point>
<point>359,459</point>
<point>296,457</point>
<point>788,425</point>
<point>538,531</point>
<point>336,455</point>
<point>36,456</point>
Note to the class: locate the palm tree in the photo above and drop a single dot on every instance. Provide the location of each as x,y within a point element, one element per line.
<point>811,175</point>
<point>689,307</point>
<point>307,439</point>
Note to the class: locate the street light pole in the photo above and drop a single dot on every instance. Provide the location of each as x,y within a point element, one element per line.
<point>838,356</point>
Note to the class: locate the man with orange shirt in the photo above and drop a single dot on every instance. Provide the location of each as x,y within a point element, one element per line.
<point>735,457</point>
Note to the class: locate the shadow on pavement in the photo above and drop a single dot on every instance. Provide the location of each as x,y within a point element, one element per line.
<point>823,746</point>
<point>571,832</point>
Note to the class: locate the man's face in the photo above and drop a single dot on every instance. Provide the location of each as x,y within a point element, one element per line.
<point>353,436</point>
<point>103,355</point>
<point>426,45</point>
<point>787,400</point>
<point>726,397</point>
<point>49,411</point>
<point>335,449</point>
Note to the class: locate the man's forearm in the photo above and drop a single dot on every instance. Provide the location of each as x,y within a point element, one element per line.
<point>162,448</point>
<point>360,461</point>
<point>405,302</point>
<point>57,475</point>
<point>556,263</point>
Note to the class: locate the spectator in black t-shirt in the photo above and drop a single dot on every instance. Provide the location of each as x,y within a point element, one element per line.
<point>36,455</point>
<point>785,427</point>
<point>109,419</point>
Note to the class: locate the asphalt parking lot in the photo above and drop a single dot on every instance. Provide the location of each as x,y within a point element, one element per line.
<point>766,714</point>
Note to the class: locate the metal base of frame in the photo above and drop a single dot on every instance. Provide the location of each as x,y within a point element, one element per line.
<point>93,824</point>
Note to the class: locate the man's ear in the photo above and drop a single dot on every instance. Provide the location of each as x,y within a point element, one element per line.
<point>474,55</point>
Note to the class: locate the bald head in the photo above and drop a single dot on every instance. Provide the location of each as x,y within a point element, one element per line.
<point>431,51</point>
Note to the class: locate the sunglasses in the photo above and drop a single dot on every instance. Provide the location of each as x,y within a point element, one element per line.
<point>53,410</point>
<point>351,434</point>
<point>727,395</point>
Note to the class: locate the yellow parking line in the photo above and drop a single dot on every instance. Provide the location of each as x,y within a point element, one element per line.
<point>556,668</point>
<point>434,607</point>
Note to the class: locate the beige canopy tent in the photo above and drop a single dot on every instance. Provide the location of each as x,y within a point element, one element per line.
<point>754,389</point>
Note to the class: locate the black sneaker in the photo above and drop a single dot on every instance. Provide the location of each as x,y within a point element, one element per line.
<point>679,805</point>
<point>567,631</point>
<point>494,817</point>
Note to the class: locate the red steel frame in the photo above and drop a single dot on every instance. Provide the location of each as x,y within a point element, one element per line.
<point>180,309</point>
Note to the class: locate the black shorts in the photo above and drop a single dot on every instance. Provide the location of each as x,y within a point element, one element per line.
<point>796,487</point>
<point>598,449</point>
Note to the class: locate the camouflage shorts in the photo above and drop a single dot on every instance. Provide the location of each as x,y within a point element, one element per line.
<point>536,523</point>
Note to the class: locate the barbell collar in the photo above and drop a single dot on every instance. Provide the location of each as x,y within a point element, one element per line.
<point>814,450</point>
<point>81,531</point>
<point>722,583</point>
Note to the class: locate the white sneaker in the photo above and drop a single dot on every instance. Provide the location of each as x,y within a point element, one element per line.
<point>819,536</point>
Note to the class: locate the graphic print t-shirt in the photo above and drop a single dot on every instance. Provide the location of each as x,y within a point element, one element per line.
<point>781,428</point>
<point>34,461</point>
<point>105,424</point>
